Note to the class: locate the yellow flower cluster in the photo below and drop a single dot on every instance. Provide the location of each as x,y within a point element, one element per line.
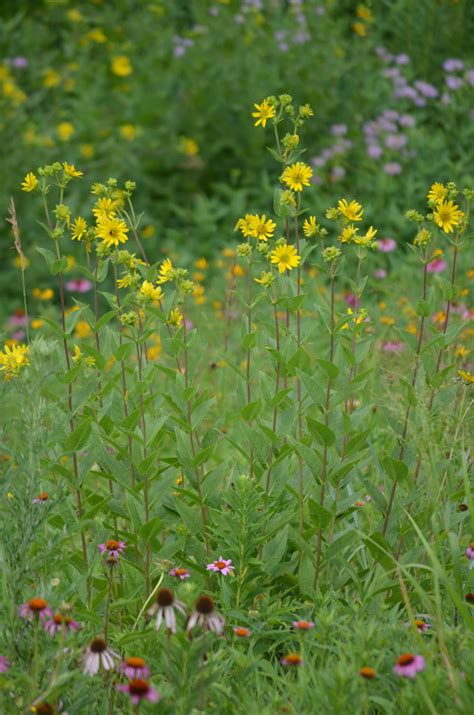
<point>256,226</point>
<point>447,215</point>
<point>12,359</point>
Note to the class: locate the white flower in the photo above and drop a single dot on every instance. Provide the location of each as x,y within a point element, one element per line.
<point>98,654</point>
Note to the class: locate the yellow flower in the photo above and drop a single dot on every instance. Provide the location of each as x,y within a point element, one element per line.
<point>71,170</point>
<point>82,329</point>
<point>201,264</point>
<point>261,228</point>
<point>360,29</point>
<point>104,208</point>
<point>437,192</point>
<point>121,66</point>
<point>154,349</point>
<point>94,35</point>
<point>468,377</point>
<point>128,132</point>
<point>285,257</point>
<point>265,111</point>
<point>74,15</point>
<point>79,358</point>
<point>348,234</point>
<point>79,228</point>
<point>368,239</point>
<point>37,323</point>
<point>65,130</point>
<point>364,12</point>
<point>297,175</point>
<point>87,151</point>
<point>46,294</point>
<point>447,215</point>
<point>125,282</point>
<point>30,182</point>
<point>309,227</point>
<point>461,351</point>
<point>148,231</point>
<point>21,262</point>
<point>112,231</point>
<point>387,320</point>
<point>245,225</point>
<point>148,290</point>
<point>175,317</point>
<point>166,271</point>
<point>266,279</point>
<point>353,210</point>
<point>51,78</point>
<point>188,146</point>
<point>230,253</point>
<point>12,359</point>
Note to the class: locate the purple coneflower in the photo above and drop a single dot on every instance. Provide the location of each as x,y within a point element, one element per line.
<point>386,245</point>
<point>164,608</point>
<point>392,168</point>
<point>291,660</point>
<point>470,551</point>
<point>393,347</point>
<point>408,665</point>
<point>139,690</point>
<point>453,65</point>
<point>454,83</point>
<point>380,274</point>
<point>242,632</point>
<point>205,616</point>
<point>35,608</point>
<point>79,285</point>
<point>4,664</point>
<point>40,499</point>
<point>438,265</point>
<point>180,573</point>
<point>112,548</point>
<point>221,565</point>
<point>367,673</point>
<point>134,668</point>
<point>302,625</point>
<point>59,622</point>
<point>98,655</point>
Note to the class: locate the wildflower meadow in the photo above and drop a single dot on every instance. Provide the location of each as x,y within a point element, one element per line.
<point>236,357</point>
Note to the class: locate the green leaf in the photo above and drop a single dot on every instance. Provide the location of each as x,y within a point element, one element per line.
<point>274,550</point>
<point>423,308</point>
<point>379,547</point>
<point>329,368</point>
<point>410,392</point>
<point>324,435</point>
<point>48,256</point>
<point>394,468</point>
<point>78,439</point>
<point>320,516</point>
<point>252,410</point>
<point>300,359</point>
<point>248,341</point>
<point>104,319</point>
<point>123,351</point>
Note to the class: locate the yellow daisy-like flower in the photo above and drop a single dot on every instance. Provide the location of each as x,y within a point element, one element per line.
<point>297,175</point>
<point>368,239</point>
<point>265,111</point>
<point>261,228</point>
<point>448,215</point>
<point>309,227</point>
<point>245,225</point>
<point>352,210</point>
<point>348,234</point>
<point>104,208</point>
<point>165,273</point>
<point>468,377</point>
<point>65,130</point>
<point>30,182</point>
<point>175,317</point>
<point>121,66</point>
<point>125,282</point>
<point>71,170</point>
<point>12,359</point>
<point>148,290</point>
<point>285,257</point>
<point>79,228</point>
<point>112,231</point>
<point>437,192</point>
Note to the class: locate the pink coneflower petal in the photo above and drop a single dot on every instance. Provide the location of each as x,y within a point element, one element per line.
<point>292,660</point>
<point>408,665</point>
<point>134,667</point>
<point>221,565</point>
<point>180,573</point>
<point>139,690</point>
<point>242,632</point>
<point>386,245</point>
<point>4,664</point>
<point>303,625</point>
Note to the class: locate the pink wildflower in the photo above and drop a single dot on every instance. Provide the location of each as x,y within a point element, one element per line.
<point>408,665</point>
<point>221,565</point>
<point>139,690</point>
